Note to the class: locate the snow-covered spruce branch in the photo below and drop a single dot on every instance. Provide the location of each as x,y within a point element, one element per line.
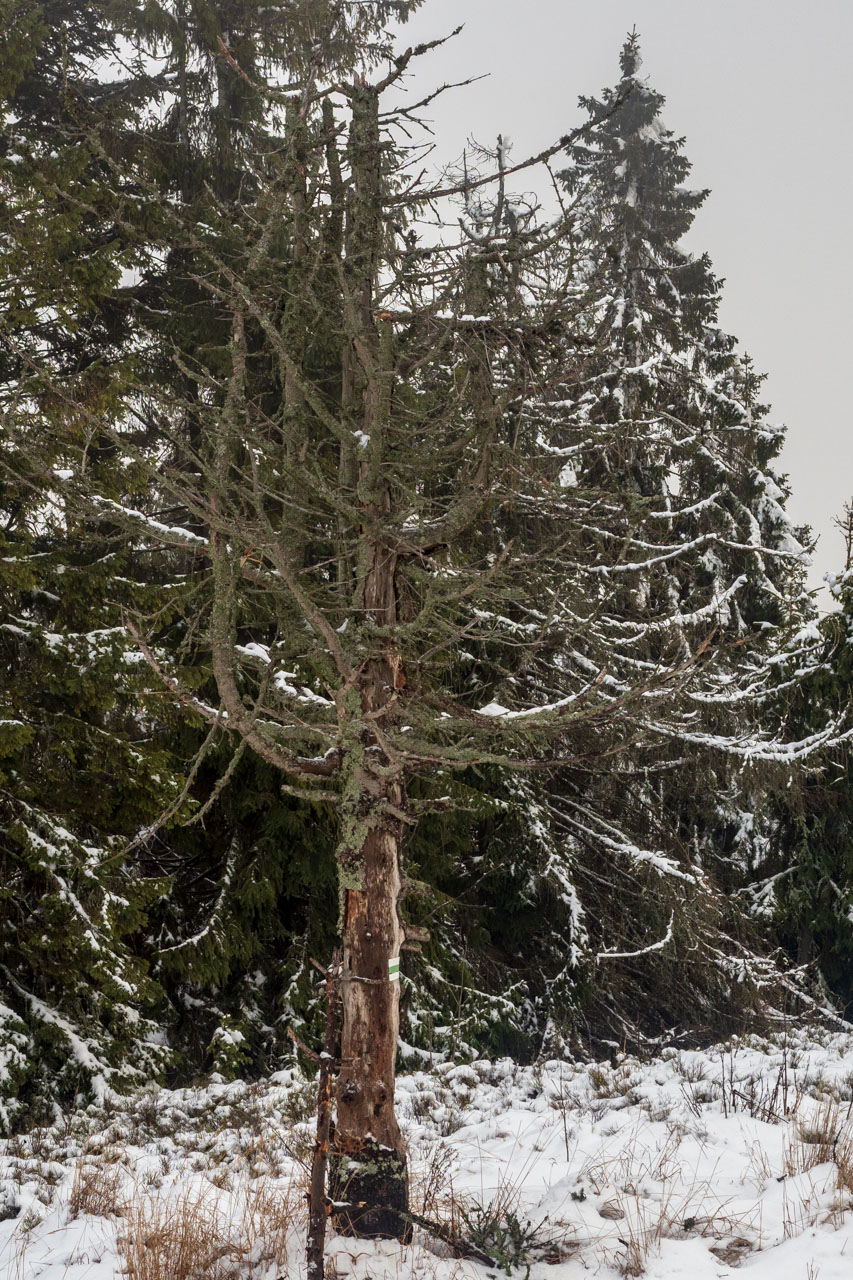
<point>644,951</point>
<point>299,766</point>
<point>754,748</point>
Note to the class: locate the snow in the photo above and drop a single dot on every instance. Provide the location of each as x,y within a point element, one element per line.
<point>631,955</point>
<point>254,650</point>
<point>302,693</point>
<point>282,679</point>
<point>694,1164</point>
<point>170,532</point>
<point>81,1051</point>
<point>494,710</point>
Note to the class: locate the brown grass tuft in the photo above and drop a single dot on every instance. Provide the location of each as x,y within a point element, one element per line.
<point>202,1234</point>
<point>96,1189</point>
<point>824,1138</point>
<point>183,1238</point>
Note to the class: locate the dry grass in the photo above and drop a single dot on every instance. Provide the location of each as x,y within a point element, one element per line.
<point>431,1183</point>
<point>274,1214</point>
<point>771,1099</point>
<point>183,1238</point>
<point>203,1234</point>
<point>679,1210</point>
<point>825,1137</point>
<point>97,1189</point>
<point>220,1228</point>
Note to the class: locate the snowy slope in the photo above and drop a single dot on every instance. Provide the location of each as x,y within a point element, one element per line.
<point>695,1165</point>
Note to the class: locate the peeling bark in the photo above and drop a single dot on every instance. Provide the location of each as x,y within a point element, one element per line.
<point>370,1169</point>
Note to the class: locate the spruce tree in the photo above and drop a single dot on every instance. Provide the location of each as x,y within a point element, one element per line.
<point>80,774</point>
<point>689,552</point>
<point>78,139</point>
<point>800,886</point>
<point>682,402</point>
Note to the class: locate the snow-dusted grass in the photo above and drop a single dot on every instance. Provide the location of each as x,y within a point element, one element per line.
<point>692,1165</point>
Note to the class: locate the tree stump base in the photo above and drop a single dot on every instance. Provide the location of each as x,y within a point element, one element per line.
<point>371,1186</point>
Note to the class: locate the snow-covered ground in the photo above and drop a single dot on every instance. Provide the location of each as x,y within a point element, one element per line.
<point>693,1165</point>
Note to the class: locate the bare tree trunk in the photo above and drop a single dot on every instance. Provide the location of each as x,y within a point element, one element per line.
<point>370,1172</point>
<point>370,1156</point>
<point>370,1168</point>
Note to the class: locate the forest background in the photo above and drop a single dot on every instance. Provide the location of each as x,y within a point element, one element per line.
<point>280,406</point>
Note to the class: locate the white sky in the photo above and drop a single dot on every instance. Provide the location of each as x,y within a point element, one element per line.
<point>761,90</point>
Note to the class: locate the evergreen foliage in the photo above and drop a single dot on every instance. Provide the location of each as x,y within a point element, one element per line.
<point>802,879</point>
<point>665,428</point>
<point>82,766</point>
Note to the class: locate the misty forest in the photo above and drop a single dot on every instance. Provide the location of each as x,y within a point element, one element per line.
<point>425,817</point>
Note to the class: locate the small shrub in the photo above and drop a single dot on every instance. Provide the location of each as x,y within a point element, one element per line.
<point>498,1231</point>
<point>599,1078</point>
<point>229,1050</point>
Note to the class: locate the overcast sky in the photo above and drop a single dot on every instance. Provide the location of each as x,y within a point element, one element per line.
<point>761,91</point>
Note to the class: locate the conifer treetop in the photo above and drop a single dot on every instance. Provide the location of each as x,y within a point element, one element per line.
<point>630,59</point>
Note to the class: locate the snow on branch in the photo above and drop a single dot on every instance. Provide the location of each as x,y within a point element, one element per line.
<point>172,533</point>
<point>644,951</point>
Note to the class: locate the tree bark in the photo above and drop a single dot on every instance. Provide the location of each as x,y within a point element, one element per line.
<point>370,1175</point>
